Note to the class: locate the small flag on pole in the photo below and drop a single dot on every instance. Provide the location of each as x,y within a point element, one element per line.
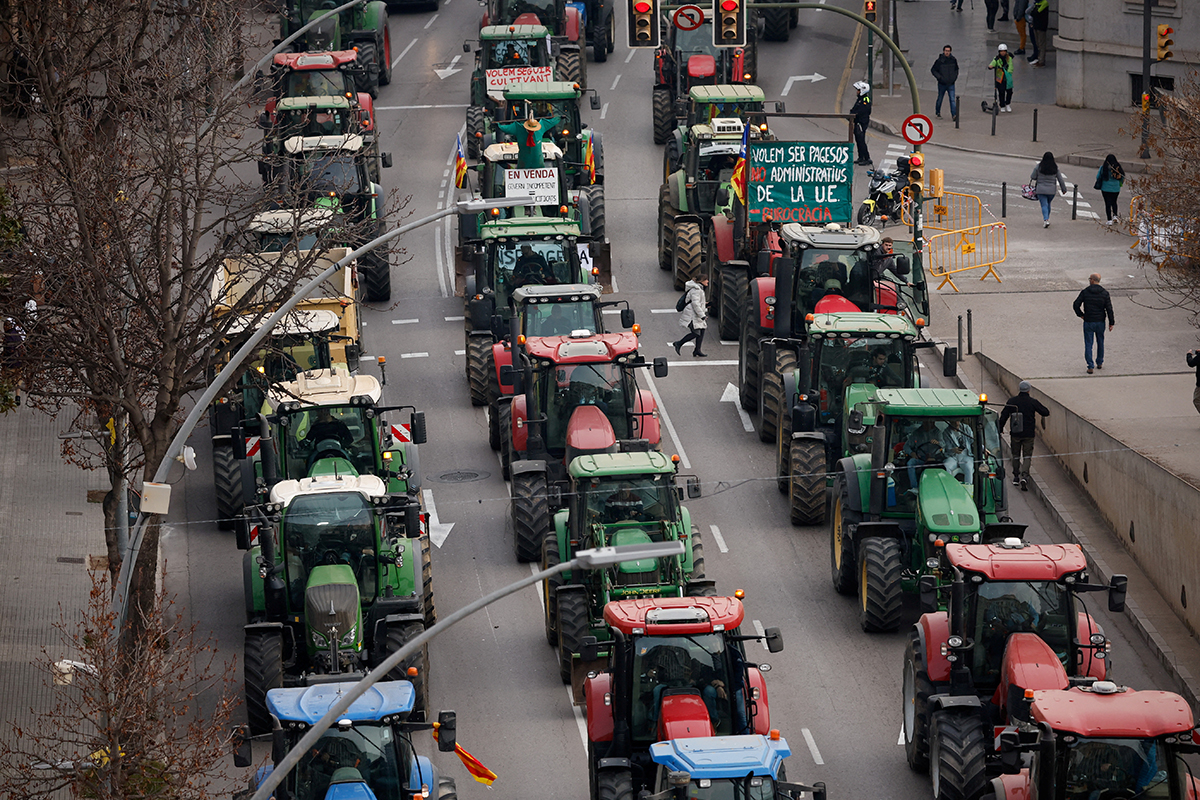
<point>460,164</point>
<point>474,766</point>
<point>589,160</point>
<point>738,181</point>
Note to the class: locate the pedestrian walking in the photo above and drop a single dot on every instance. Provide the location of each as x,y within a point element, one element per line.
<point>992,6</point>
<point>1193,360</point>
<point>862,121</point>
<point>1038,17</point>
<point>956,6</point>
<point>1001,65</point>
<point>945,70</point>
<point>1094,306</point>
<point>1019,9</point>
<point>694,317</point>
<point>1003,11</point>
<point>1109,179</point>
<point>1021,409</point>
<point>1043,178</point>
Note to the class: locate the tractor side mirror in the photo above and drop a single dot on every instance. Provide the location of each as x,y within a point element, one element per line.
<point>774,640</point>
<point>855,422</point>
<point>818,792</point>
<point>466,47</point>
<point>508,375</point>
<point>901,265</point>
<point>660,368</point>
<point>447,731</point>
<point>927,586</point>
<point>417,424</point>
<point>595,102</point>
<point>386,158</point>
<point>626,317</point>
<point>412,521</point>
<point>762,263</point>
<point>1010,752</point>
<point>1116,593</point>
<point>237,441</point>
<point>779,107</point>
<point>723,196</point>
<point>241,746</point>
<point>589,648</point>
<point>950,362</point>
<point>264,121</point>
<point>693,487</point>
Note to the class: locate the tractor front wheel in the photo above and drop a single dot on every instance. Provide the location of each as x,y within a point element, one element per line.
<point>475,124</point>
<point>697,573</point>
<point>879,567</point>
<point>227,486</point>
<point>806,483</point>
<point>664,115</point>
<point>551,558</point>
<point>570,68</point>
<point>494,426</point>
<point>778,27</point>
<point>601,46</point>
<point>263,671</point>
<point>614,784</point>
<point>842,523</point>
<point>446,788</point>
<point>397,636</point>
<point>376,272</point>
<point>749,374</point>
<point>735,285</point>
<point>917,689</point>
<point>369,77</point>
<point>427,606</point>
<point>783,447</point>
<point>506,454</point>
<point>666,228</point>
<point>530,514</point>
<point>688,253</point>
<point>572,627</point>
<point>772,395</point>
<point>597,217</point>
<point>957,756</point>
<point>479,359</point>
<point>385,66</point>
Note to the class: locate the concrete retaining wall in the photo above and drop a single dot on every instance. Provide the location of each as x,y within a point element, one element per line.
<point>1155,514</point>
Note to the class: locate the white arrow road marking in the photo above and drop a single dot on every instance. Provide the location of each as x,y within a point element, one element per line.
<point>731,396</point>
<point>438,530</point>
<point>719,539</point>
<point>812,746</point>
<point>446,72</point>
<point>901,734</point>
<point>816,76</point>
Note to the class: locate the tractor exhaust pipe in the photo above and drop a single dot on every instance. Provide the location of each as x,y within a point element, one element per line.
<point>784,280</point>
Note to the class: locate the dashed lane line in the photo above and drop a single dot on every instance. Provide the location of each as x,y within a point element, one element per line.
<point>719,539</point>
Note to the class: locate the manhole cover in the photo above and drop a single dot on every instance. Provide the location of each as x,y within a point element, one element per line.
<point>461,476</point>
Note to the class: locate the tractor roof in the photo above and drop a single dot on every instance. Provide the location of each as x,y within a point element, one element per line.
<point>720,128</point>
<point>348,142</point>
<point>368,486</point>
<point>290,220</point>
<point>595,348</point>
<point>327,387</point>
<point>602,464</point>
<point>1015,560</point>
<point>668,616</point>
<point>558,293</point>
<point>329,60</point>
<point>507,151</point>
<point>495,32</point>
<point>727,93</point>
<point>297,321</point>
<point>318,101</point>
<point>722,756</point>
<point>930,402</point>
<point>832,235</point>
<point>550,90</point>
<point>1110,712</point>
<point>861,324</point>
<point>311,703</point>
<point>529,228</point>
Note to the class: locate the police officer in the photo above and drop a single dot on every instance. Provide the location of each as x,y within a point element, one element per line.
<point>862,121</point>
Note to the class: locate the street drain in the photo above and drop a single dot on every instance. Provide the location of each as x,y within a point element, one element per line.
<point>461,476</point>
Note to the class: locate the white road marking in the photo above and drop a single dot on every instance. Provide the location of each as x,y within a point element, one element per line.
<point>703,362</point>
<point>758,628</point>
<point>901,740</point>
<point>629,57</point>
<point>438,530</point>
<point>413,108</point>
<point>443,186</point>
<point>812,746</point>
<point>663,311</point>
<point>404,321</point>
<point>666,420</point>
<point>460,352</point>
<point>446,72</point>
<point>441,264</point>
<point>431,21</point>
<point>727,343</point>
<point>579,720</point>
<point>813,78</point>
<point>604,111</point>
<point>616,80</point>
<point>403,53</point>
<point>614,284</point>
<point>730,395</point>
<point>445,174</point>
<point>459,318</point>
<point>719,539</point>
<point>414,355</point>
<point>612,311</point>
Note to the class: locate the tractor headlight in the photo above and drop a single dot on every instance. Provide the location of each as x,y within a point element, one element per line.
<point>348,639</point>
<point>319,640</point>
<point>955,641</point>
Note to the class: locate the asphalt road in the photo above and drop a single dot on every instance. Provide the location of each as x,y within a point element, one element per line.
<point>834,691</point>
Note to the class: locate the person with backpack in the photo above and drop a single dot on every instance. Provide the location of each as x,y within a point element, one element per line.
<point>1109,179</point>
<point>1021,408</point>
<point>1045,174</point>
<point>693,308</point>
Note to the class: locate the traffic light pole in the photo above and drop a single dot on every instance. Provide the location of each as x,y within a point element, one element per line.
<point>1147,25</point>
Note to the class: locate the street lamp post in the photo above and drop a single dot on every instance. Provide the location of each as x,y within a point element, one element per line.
<point>596,558</point>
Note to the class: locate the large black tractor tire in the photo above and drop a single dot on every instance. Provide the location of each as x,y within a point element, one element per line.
<point>698,565</point>
<point>783,447</point>
<point>916,689</point>
<point>446,788</point>
<point>614,784</point>
<point>778,27</point>
<point>601,44</point>
<point>479,360</point>
<point>475,124</point>
<point>772,395</point>
<point>794,18</point>
<point>227,486</point>
<point>551,558</point>
<point>597,217</point>
<point>879,596</point>
<point>664,115</point>
<point>572,627</point>
<point>957,756</point>
<point>689,253</point>
<point>530,514</point>
<point>493,413</point>
<point>735,286</point>
<point>842,522</point>
<point>263,671</point>
<point>375,269</point>
<point>671,157</point>
<point>368,79</point>
<point>385,65</point>
<point>749,369</point>
<point>569,67</point>
<point>427,605</point>
<point>396,637</point>
<point>666,228</point>
<point>806,483</point>
<point>506,454</point>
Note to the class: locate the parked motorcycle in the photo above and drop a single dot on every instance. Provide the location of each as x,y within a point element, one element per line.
<point>884,199</point>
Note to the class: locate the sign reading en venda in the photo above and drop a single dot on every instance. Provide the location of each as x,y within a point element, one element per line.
<point>539,185</point>
<point>806,182</point>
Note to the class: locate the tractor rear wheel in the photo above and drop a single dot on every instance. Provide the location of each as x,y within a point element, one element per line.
<point>262,670</point>
<point>772,395</point>
<point>697,556</point>
<point>688,253</point>
<point>446,788</point>
<point>957,756</point>
<point>569,68</point>
<point>806,492</point>
<point>369,77</point>
<point>376,273</point>
<point>398,635</point>
<point>597,218</point>
<point>749,374</point>
<point>427,604</point>
<point>783,446</point>
<point>614,784</point>
<point>475,124</point>
<point>778,27</point>
<point>572,627</point>
<point>506,454</point>
<point>664,115</point>
<point>530,514</point>
<point>601,46</point>
<point>479,357</point>
<point>842,522</point>
<point>385,66</point>
<point>227,486</point>
<point>670,157</point>
<point>735,285</point>
<point>551,558</point>
<point>917,689</point>
<point>494,426</point>
<point>879,566</point>
<point>666,228</point>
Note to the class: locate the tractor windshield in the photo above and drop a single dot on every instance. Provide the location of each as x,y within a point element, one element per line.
<point>618,498</point>
<point>560,319</point>
<point>278,242</point>
<point>315,122</point>
<point>699,40</point>
<point>337,439</point>
<point>714,168</point>
<point>1138,768</point>
<point>1001,608</point>
<point>329,528</point>
<point>700,665</point>
<point>335,173</point>
<point>513,53</point>
<point>842,362</point>
<point>317,83</point>
<point>366,752</point>
<point>952,443</point>
<point>513,264</point>
<point>563,389</point>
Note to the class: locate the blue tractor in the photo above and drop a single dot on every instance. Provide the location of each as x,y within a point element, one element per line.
<point>749,767</point>
<point>367,755</point>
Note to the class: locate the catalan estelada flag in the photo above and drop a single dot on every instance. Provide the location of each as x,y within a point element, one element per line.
<point>738,181</point>
<point>460,164</point>
<point>474,766</point>
<point>589,160</point>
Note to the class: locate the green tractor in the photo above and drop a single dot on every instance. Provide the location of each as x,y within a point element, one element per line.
<point>507,54</point>
<point>338,579</point>
<point>568,29</point>
<point>616,499</point>
<point>362,27</point>
<point>924,469</point>
<point>313,118</point>
<point>706,106</point>
<point>572,135</point>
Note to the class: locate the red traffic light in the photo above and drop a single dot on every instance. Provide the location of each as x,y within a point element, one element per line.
<point>642,7</point>
<point>916,160</point>
<point>1165,30</point>
<point>729,5</point>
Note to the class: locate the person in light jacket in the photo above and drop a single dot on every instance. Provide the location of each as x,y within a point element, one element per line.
<point>1043,177</point>
<point>694,317</point>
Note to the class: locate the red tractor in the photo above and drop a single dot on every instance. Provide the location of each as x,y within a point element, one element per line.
<point>330,74</point>
<point>676,670</point>
<point>572,395</point>
<point>1015,624</point>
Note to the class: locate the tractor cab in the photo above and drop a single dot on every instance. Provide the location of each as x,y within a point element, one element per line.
<point>296,75</point>
<point>361,28</point>
<point>508,54</point>
<point>298,342</point>
<point>546,13</point>
<point>501,175</point>
<point>288,229</point>
<point>334,171</point>
<point>739,101</point>
<point>748,767</point>
<point>714,113</point>
<point>315,120</point>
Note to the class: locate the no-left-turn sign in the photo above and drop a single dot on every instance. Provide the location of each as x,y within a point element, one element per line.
<point>917,129</point>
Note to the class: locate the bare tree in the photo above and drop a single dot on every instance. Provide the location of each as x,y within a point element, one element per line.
<point>151,724</point>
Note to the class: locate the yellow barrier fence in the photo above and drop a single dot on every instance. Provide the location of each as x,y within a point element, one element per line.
<point>955,251</point>
<point>950,212</point>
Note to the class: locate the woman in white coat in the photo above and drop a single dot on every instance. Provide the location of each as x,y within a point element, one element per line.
<point>694,316</point>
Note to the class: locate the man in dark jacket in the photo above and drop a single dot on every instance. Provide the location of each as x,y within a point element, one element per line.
<point>1021,410</point>
<point>862,121</point>
<point>1038,15</point>
<point>1093,306</point>
<point>1193,360</point>
<point>945,70</point>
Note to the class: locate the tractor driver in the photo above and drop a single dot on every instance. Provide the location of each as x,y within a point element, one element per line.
<point>923,449</point>
<point>328,426</point>
<point>676,669</point>
<point>623,505</point>
<point>883,374</point>
<point>531,268</point>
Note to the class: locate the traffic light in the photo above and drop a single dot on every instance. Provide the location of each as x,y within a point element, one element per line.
<point>869,10</point>
<point>937,182</point>
<point>916,171</point>
<point>1165,42</point>
<point>643,23</point>
<point>729,28</point>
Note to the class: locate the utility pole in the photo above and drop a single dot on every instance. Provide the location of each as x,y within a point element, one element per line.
<point>1147,92</point>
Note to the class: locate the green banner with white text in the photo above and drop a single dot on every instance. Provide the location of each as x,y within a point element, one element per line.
<point>806,182</point>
